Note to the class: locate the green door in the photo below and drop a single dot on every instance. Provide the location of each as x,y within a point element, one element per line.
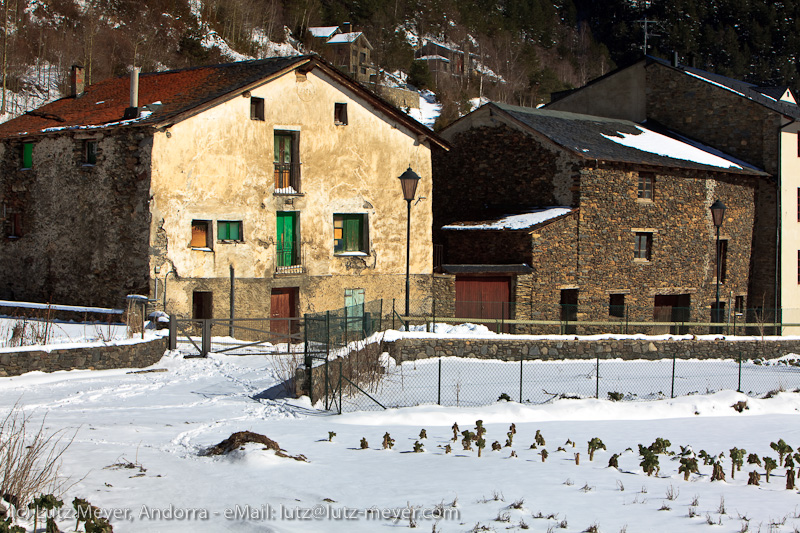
<point>287,247</point>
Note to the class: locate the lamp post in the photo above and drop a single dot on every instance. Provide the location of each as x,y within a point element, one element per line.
<point>408,180</point>
<point>718,216</point>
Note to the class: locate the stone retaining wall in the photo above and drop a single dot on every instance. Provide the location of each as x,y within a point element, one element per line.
<point>138,355</point>
<point>513,349</point>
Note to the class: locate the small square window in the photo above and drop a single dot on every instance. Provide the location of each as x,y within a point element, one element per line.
<point>256,108</point>
<point>350,235</point>
<point>616,305</point>
<point>230,230</point>
<point>14,224</point>
<point>643,248</point>
<point>340,114</point>
<point>90,152</point>
<point>27,155</point>
<point>646,183</point>
<point>201,234</point>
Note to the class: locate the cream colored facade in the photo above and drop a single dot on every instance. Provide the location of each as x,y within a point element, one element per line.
<point>789,162</point>
<point>218,165</point>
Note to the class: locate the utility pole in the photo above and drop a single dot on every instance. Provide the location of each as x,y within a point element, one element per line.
<point>647,26</point>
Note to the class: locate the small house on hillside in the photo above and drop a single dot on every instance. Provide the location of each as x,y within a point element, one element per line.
<point>348,50</point>
<point>569,216</point>
<point>757,124</point>
<point>273,180</point>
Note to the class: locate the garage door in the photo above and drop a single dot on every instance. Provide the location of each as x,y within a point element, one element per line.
<point>483,297</point>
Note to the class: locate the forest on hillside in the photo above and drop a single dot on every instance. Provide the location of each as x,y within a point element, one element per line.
<point>530,47</point>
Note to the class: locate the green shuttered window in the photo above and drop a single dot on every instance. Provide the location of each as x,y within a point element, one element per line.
<point>350,233</point>
<point>229,230</point>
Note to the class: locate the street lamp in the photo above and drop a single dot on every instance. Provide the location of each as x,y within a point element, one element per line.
<point>718,216</point>
<point>408,180</point>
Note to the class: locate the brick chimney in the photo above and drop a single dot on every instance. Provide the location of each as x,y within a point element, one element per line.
<point>76,81</point>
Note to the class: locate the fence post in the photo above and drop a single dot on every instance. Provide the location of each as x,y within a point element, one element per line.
<point>380,317</point>
<point>672,390</point>
<point>521,359</point>
<point>310,378</point>
<point>173,332</point>
<point>327,406</point>
<point>433,318</point>
<point>393,313</point>
<point>205,342</point>
<point>739,387</point>
<point>340,384</point>
<point>597,378</point>
<point>327,334</point>
<point>439,398</point>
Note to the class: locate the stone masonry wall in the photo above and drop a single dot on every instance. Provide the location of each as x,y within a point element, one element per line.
<point>549,350</point>
<point>136,355</point>
<point>77,220</point>
<point>739,127</point>
<point>496,169</point>
<point>683,252</point>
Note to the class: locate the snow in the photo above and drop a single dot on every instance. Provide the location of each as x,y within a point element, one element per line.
<point>429,109</point>
<point>514,222</point>
<point>56,307</point>
<point>655,143</point>
<point>161,421</point>
<point>340,38</point>
<point>322,31</point>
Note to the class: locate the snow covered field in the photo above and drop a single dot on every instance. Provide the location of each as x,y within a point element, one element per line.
<point>160,422</point>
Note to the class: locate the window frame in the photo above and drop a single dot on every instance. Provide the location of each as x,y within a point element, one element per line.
<point>287,175</point>
<point>340,113</point>
<point>256,108</point>
<point>89,153</point>
<point>640,254</point>
<point>646,185</point>
<point>209,228</point>
<point>346,248</point>
<point>616,309</point>
<point>220,233</point>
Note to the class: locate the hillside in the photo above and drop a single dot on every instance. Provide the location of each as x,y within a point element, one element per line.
<point>526,48</point>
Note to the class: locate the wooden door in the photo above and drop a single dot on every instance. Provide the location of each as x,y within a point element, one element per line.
<point>283,305</point>
<point>486,297</point>
<point>286,223</point>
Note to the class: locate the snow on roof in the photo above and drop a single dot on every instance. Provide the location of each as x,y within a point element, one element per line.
<point>655,143</point>
<point>340,38</point>
<point>432,58</point>
<point>514,222</point>
<point>323,31</point>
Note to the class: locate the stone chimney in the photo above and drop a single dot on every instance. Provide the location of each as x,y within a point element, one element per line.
<point>133,110</point>
<point>76,81</point>
<point>347,27</point>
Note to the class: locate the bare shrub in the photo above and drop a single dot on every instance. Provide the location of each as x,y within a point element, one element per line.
<point>30,458</point>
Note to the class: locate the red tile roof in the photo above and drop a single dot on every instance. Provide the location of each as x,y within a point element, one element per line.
<point>103,104</point>
<point>178,92</point>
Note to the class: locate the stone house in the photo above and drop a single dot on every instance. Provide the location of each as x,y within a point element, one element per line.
<point>570,216</point>
<point>348,50</point>
<point>274,181</point>
<point>756,124</point>
<point>446,61</point>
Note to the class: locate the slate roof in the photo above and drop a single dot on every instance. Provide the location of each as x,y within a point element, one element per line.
<point>168,97</point>
<point>601,139</point>
<point>767,96</point>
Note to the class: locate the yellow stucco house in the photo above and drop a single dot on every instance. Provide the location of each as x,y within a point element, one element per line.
<point>273,180</point>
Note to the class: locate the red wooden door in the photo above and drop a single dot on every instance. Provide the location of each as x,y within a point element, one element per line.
<point>283,305</point>
<point>483,297</point>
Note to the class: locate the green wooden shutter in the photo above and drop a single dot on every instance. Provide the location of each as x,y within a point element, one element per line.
<point>27,155</point>
<point>352,233</point>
